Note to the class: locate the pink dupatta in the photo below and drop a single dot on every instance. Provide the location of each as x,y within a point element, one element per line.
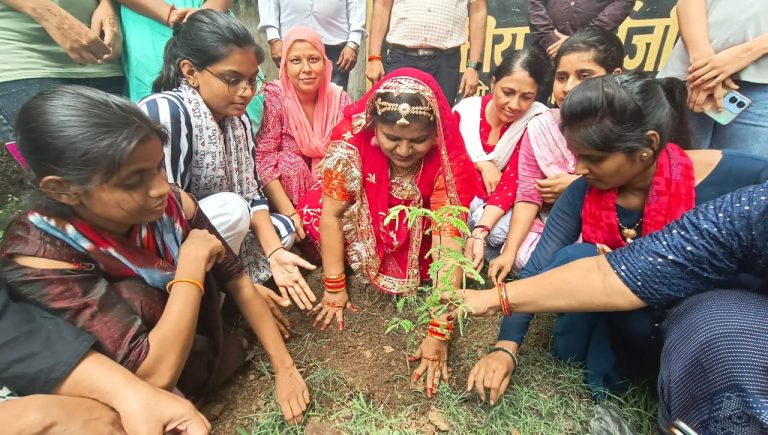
<point>312,138</point>
<point>549,145</point>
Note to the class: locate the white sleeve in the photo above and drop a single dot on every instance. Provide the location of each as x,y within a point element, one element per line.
<point>356,17</point>
<point>269,18</point>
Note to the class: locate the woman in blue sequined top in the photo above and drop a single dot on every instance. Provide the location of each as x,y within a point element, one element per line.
<point>714,364</point>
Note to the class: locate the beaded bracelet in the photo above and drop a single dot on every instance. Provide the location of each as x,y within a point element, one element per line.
<point>194,282</point>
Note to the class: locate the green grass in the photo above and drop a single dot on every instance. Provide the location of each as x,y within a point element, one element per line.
<point>546,396</point>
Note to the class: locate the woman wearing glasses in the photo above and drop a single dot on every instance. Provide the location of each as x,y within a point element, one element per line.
<point>300,111</point>
<point>205,86</point>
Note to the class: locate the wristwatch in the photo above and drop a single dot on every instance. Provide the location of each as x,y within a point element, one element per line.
<point>472,65</point>
<point>353,45</point>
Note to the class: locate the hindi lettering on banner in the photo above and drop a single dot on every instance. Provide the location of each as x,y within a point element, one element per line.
<point>649,34</point>
<point>648,42</point>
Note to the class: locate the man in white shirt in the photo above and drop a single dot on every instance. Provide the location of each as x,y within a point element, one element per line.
<point>340,23</point>
<point>427,34</point>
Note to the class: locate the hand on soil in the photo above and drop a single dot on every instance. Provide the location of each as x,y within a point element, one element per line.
<point>285,270</point>
<point>292,394</point>
<point>332,306</point>
<point>433,354</point>
<point>273,299</point>
<point>493,372</point>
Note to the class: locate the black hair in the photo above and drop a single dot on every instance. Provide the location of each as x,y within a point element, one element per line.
<point>608,48</point>
<point>532,60</point>
<point>80,134</point>
<point>613,113</point>
<point>205,38</point>
<point>392,116</point>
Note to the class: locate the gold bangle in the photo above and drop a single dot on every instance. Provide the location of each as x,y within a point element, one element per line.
<point>194,282</point>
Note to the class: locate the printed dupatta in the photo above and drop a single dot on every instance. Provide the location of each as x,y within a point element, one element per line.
<point>393,255</point>
<point>672,193</point>
<point>149,251</point>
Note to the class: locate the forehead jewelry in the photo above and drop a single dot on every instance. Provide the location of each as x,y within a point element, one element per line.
<point>404,109</point>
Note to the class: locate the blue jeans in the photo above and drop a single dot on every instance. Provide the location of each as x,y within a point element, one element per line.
<point>748,132</point>
<point>15,93</point>
<point>611,345</point>
<point>334,53</point>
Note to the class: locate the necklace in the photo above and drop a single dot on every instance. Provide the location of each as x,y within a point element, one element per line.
<point>399,186</point>
<point>629,234</point>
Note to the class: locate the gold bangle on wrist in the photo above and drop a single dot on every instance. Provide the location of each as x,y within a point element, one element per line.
<point>194,282</point>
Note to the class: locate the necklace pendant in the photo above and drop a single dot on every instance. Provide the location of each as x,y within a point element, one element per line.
<point>629,234</point>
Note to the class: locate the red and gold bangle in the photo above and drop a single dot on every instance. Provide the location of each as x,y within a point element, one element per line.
<point>503,300</point>
<point>335,283</point>
<point>373,57</point>
<point>506,299</point>
<point>335,288</point>
<point>440,330</point>
<point>442,325</point>
<point>441,335</point>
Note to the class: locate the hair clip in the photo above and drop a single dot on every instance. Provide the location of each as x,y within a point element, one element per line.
<point>404,109</point>
<point>621,79</point>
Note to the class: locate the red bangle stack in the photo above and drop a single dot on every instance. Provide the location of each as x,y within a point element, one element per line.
<point>440,330</point>
<point>503,299</point>
<point>372,58</point>
<point>335,284</point>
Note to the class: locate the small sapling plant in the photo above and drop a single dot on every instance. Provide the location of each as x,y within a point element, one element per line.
<point>447,261</point>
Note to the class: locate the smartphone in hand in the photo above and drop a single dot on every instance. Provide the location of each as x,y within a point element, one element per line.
<point>733,104</point>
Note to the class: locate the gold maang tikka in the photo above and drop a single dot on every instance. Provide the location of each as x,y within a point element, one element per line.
<point>404,109</point>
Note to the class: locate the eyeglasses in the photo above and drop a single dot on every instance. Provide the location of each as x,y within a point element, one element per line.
<point>238,86</point>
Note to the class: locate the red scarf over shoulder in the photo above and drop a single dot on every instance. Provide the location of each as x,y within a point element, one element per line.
<point>672,193</point>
